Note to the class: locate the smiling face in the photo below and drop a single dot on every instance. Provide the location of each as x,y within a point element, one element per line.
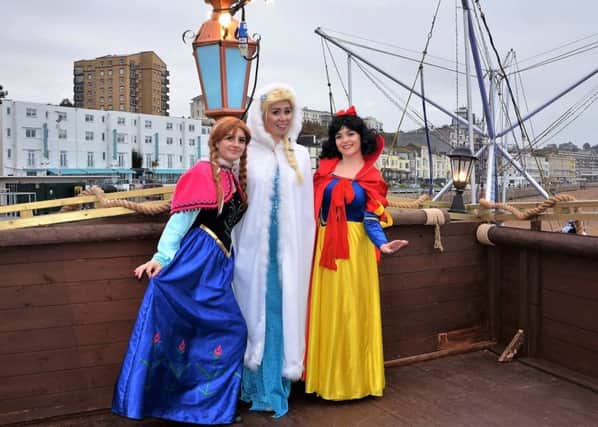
<point>348,142</point>
<point>232,146</point>
<point>277,120</point>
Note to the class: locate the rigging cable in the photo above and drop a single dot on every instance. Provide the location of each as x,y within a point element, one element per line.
<point>392,98</point>
<point>337,71</point>
<point>520,122</point>
<point>330,97</point>
<point>424,53</point>
<point>396,55</point>
<point>390,45</point>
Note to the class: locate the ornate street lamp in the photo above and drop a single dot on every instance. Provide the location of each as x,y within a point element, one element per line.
<point>223,50</point>
<point>461,164</point>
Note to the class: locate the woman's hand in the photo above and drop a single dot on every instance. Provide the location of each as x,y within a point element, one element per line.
<point>392,247</point>
<point>151,268</point>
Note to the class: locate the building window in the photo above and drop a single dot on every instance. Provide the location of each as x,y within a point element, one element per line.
<point>191,142</point>
<point>180,141</point>
<point>120,120</point>
<point>7,131</point>
<point>89,117</point>
<point>103,136</point>
<point>30,158</point>
<point>61,116</point>
<point>30,133</point>
<point>103,155</point>
<point>121,71</point>
<point>101,99</point>
<point>89,76</point>
<point>63,159</point>
<point>110,72</point>
<point>148,160</point>
<point>148,124</point>
<point>148,139</point>
<point>170,161</point>
<point>169,140</point>
<point>191,128</point>
<point>121,89</point>
<point>121,107</point>
<point>31,112</point>
<point>90,162</point>
<point>102,73</point>
<point>9,153</point>
<point>89,136</point>
<point>120,138</point>
<point>204,131</point>
<point>8,110</point>
<point>168,125</point>
<point>180,159</point>
<point>61,133</point>
<point>121,160</point>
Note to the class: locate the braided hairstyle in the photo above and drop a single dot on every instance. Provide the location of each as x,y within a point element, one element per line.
<point>221,129</point>
<point>276,95</point>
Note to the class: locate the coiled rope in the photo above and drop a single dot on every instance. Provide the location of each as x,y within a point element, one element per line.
<point>147,209</point>
<point>530,213</point>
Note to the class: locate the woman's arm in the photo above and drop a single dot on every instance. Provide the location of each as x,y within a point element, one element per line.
<point>374,230</point>
<point>176,228</point>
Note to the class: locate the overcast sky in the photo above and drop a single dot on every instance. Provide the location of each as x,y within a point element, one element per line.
<point>40,39</point>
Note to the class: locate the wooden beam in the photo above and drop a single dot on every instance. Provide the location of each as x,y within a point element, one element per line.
<point>513,347</point>
<point>563,243</point>
<point>483,345</point>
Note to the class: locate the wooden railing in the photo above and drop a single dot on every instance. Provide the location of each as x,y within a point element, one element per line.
<point>28,212</point>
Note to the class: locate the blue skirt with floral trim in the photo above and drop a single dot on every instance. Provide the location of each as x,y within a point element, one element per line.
<point>184,360</point>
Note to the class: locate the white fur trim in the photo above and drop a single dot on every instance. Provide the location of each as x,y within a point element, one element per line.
<point>295,245</point>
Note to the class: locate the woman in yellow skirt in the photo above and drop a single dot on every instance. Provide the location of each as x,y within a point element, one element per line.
<point>344,348</point>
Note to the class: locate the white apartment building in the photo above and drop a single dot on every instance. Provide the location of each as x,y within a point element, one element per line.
<point>42,139</point>
<point>323,118</point>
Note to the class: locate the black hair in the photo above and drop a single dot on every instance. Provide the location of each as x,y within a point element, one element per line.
<point>355,123</point>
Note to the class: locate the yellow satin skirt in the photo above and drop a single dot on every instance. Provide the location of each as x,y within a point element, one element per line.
<point>345,359</point>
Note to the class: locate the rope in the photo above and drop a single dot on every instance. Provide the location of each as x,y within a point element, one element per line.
<point>423,57</point>
<point>153,209</point>
<point>435,217</point>
<point>416,204</point>
<point>530,213</point>
<point>482,234</point>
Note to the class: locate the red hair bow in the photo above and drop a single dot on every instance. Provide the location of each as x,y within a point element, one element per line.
<point>348,112</point>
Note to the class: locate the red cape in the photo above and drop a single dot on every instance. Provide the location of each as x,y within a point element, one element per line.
<point>336,244</point>
<point>196,188</point>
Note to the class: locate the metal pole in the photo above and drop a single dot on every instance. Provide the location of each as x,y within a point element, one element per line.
<point>394,79</point>
<point>547,103</point>
<point>430,161</point>
<point>474,192</point>
<point>478,66</point>
<point>491,162</point>
<point>522,171</point>
<point>349,79</point>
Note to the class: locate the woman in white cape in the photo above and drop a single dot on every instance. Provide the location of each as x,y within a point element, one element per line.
<point>274,246</point>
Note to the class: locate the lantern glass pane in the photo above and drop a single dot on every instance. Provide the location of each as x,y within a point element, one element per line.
<point>236,73</point>
<point>208,58</point>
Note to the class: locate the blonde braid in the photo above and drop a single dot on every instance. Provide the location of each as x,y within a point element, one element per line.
<point>290,152</point>
<point>216,173</point>
<point>243,176</point>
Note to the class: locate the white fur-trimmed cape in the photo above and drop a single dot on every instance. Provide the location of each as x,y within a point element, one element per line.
<point>296,230</point>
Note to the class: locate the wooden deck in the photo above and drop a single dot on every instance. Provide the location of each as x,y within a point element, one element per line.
<point>464,390</point>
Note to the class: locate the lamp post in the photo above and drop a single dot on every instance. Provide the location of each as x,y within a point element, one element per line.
<point>222,50</point>
<point>461,164</point>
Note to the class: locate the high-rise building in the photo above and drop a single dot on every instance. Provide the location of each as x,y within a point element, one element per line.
<point>136,83</point>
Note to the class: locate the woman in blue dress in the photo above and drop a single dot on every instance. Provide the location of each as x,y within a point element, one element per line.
<point>185,355</point>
